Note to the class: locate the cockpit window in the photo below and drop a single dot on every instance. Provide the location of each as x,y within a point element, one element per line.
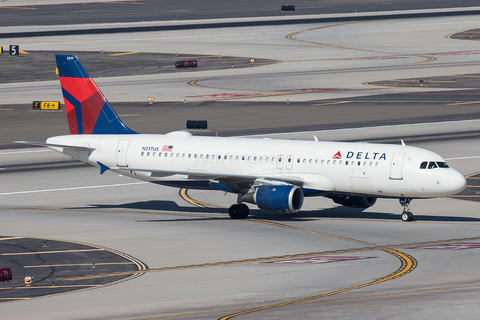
<point>432,165</point>
<point>442,164</point>
<point>424,165</point>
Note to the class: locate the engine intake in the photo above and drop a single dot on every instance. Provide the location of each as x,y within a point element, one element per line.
<point>281,198</point>
<point>354,202</point>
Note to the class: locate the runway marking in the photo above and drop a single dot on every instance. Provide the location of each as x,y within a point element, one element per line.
<point>19,8</point>
<point>78,264</point>
<point>408,265</point>
<point>462,103</point>
<point>80,287</point>
<point>330,103</point>
<point>393,294</point>
<point>290,37</point>
<point>316,260</point>
<point>47,252</point>
<point>121,54</point>
<point>58,287</point>
<point>451,246</point>
<point>73,188</point>
<point>11,238</point>
<point>461,158</point>
<point>28,151</point>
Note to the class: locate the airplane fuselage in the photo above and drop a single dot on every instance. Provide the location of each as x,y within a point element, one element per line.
<point>319,168</point>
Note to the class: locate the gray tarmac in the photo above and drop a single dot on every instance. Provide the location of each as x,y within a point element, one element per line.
<point>202,264</point>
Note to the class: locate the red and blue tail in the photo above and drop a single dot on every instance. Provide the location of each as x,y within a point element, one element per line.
<point>88,111</point>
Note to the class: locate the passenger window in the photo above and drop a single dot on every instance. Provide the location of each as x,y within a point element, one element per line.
<point>442,164</point>
<point>334,161</point>
<point>423,165</point>
<point>153,154</point>
<point>225,158</point>
<point>148,154</point>
<point>142,153</point>
<point>432,165</point>
<point>289,160</point>
<point>219,157</point>
<point>310,161</point>
<point>298,160</point>
<point>346,163</point>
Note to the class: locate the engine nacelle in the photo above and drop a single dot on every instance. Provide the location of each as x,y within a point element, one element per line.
<point>281,198</point>
<point>354,202</point>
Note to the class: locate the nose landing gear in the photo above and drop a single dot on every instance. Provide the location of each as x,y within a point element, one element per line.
<point>407,215</point>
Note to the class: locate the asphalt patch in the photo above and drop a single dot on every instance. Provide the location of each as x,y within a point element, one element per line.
<point>55,264</point>
<point>41,65</point>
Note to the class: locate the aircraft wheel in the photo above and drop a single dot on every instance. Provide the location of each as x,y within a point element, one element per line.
<point>238,211</point>
<point>407,216</point>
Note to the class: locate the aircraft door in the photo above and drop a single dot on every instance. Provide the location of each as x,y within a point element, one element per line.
<point>396,166</point>
<point>289,161</point>
<point>280,161</point>
<point>122,153</point>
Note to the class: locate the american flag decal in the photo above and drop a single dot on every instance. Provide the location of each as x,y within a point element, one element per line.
<point>167,148</point>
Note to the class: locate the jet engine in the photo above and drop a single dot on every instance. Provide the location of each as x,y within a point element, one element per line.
<point>280,198</point>
<point>354,202</point>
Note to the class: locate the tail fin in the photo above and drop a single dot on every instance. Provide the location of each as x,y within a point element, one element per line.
<point>88,111</point>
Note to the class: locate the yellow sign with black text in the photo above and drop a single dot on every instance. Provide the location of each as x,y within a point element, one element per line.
<point>46,105</point>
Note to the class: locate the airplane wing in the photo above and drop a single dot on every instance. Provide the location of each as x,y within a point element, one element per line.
<point>241,183</point>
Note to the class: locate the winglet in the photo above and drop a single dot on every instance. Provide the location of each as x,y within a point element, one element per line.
<point>103,167</point>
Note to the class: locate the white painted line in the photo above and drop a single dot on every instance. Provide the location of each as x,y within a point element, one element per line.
<point>461,158</point>
<point>27,151</point>
<point>74,188</point>
<point>364,128</point>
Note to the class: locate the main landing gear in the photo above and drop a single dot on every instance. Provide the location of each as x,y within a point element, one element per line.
<point>407,215</point>
<point>239,210</point>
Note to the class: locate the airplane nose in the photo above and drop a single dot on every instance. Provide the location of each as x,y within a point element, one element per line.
<point>457,182</point>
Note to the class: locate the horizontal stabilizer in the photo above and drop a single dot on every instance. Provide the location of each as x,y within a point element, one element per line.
<point>44,144</point>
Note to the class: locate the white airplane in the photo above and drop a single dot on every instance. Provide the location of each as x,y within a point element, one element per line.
<point>275,175</point>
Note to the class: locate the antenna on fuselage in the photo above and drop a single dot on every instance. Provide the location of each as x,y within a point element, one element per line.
<point>403,143</point>
<point>315,137</point>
